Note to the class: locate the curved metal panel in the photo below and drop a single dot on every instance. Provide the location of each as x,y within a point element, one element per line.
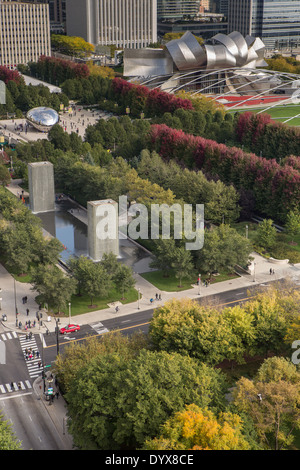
<point>219,56</point>
<point>42,118</point>
<point>186,52</point>
<point>241,44</point>
<point>228,43</point>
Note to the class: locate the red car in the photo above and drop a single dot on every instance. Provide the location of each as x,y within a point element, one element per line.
<point>69,329</point>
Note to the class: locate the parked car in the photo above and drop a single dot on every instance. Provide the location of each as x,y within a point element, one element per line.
<point>69,329</point>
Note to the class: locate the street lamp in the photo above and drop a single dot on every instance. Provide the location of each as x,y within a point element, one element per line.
<point>199,283</point>
<point>16,308</point>
<point>246,231</point>
<point>69,313</point>
<point>139,292</point>
<point>56,331</point>
<point>254,279</point>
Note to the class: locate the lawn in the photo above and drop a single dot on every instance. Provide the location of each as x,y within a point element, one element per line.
<point>279,112</point>
<point>82,304</point>
<point>171,283</point>
<point>286,247</point>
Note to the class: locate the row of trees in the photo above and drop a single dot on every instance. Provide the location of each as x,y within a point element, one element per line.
<point>71,45</point>
<point>259,327</point>
<point>21,238</point>
<point>275,187</point>
<point>263,136</point>
<point>165,391</point>
<point>21,98</point>
<point>95,280</point>
<point>55,70</point>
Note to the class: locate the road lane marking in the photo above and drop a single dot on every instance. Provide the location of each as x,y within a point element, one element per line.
<point>15,396</point>
<point>147,323</point>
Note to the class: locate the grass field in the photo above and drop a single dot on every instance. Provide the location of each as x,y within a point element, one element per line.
<point>279,112</point>
<point>171,283</point>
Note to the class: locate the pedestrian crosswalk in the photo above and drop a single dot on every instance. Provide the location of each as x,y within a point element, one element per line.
<point>99,327</point>
<point>8,335</point>
<point>15,386</point>
<point>32,355</point>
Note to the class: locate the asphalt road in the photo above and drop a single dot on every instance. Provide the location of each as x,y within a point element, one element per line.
<point>26,412</point>
<point>30,422</point>
<point>139,321</point>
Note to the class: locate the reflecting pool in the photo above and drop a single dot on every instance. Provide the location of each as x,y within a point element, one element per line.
<point>68,223</point>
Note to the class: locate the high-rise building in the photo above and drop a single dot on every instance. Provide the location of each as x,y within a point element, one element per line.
<point>124,23</point>
<point>177,9</point>
<point>24,32</point>
<point>276,22</point>
<point>57,14</point>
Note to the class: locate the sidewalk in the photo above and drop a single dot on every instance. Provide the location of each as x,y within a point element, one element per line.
<point>56,410</point>
<point>147,291</point>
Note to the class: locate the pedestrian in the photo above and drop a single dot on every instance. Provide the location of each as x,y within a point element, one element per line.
<point>25,299</point>
<point>57,394</point>
<point>156,296</point>
<point>270,270</point>
<point>159,297</point>
<point>151,300</point>
<point>117,309</point>
<point>273,272</point>
<point>27,311</point>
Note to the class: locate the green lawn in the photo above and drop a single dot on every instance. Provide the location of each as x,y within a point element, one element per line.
<point>278,112</point>
<point>286,247</point>
<point>82,304</point>
<point>171,283</point>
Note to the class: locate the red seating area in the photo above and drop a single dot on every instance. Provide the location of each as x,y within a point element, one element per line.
<point>252,100</point>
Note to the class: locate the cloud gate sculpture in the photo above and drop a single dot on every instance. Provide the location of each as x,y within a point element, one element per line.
<point>42,118</point>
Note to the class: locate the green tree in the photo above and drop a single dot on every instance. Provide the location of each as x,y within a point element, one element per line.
<point>272,401</point>
<point>8,440</point>
<point>116,403</point>
<point>266,234</point>
<point>123,279</point>
<point>55,287</point>
<point>79,354</point>
<point>18,248</point>
<point>96,281</point>
<point>182,263</point>
<point>4,175</point>
<point>164,250</point>
<point>223,249</point>
<point>293,223</point>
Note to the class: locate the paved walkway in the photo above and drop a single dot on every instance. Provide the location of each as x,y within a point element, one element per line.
<point>13,292</point>
<point>15,130</point>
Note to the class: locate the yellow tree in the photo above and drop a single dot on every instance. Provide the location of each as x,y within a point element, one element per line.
<point>199,429</point>
<point>272,401</point>
<point>100,71</point>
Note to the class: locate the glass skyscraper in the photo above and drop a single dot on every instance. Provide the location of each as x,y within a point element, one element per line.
<point>172,9</point>
<point>276,22</point>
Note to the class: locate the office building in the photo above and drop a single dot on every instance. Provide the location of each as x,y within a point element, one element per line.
<point>175,9</point>
<point>276,22</point>
<point>123,23</point>
<point>24,32</point>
